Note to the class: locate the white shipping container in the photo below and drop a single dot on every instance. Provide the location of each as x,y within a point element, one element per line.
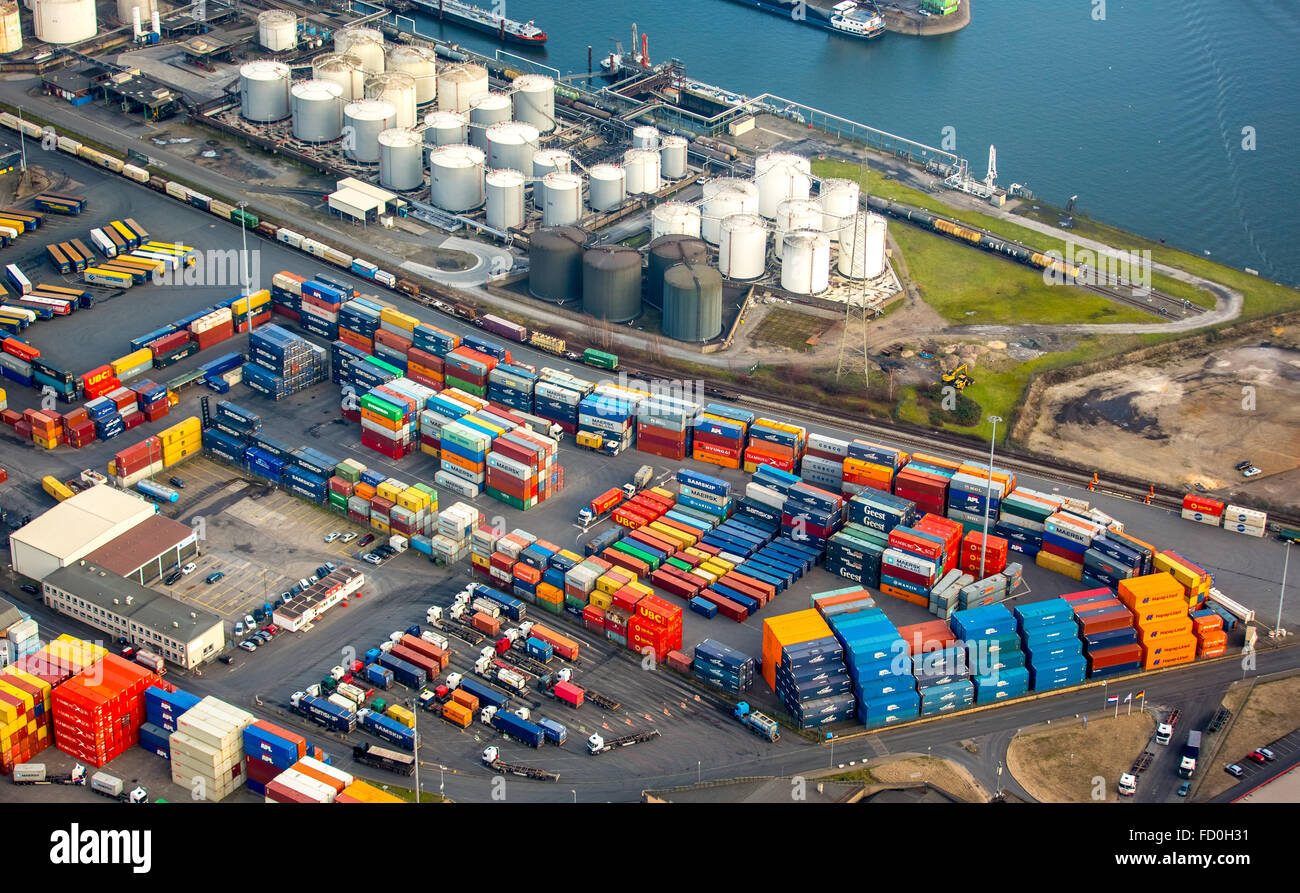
<point>1200,517</point>
<point>1238,514</point>
<point>1248,530</point>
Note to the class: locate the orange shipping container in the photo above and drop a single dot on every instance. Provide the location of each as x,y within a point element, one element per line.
<point>457,713</point>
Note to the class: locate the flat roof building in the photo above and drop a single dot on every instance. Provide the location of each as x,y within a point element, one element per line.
<point>74,528</point>
<point>147,551</point>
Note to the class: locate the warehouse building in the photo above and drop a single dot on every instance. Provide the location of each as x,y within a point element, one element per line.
<point>147,551</point>
<point>74,528</point>
<point>179,633</point>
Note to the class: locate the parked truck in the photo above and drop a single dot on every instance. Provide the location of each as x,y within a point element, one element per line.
<point>322,711</point>
<point>383,758</point>
<point>35,773</point>
<point>1191,750</point>
<point>603,503</point>
<point>406,673</point>
<point>522,730</point>
<point>758,723</point>
<point>492,759</point>
<point>639,481</point>
<point>112,787</point>
<point>486,695</point>
<point>387,728</point>
<point>379,677</point>
<point>1165,730</point>
<point>556,733</point>
<point>150,660</point>
<point>596,744</point>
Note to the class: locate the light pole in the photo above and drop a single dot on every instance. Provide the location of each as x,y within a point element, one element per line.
<point>575,794</point>
<point>243,258</point>
<point>1286,562</point>
<point>988,493</point>
<point>410,705</point>
<point>22,142</point>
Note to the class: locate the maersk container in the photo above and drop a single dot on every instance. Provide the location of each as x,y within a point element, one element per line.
<point>555,732</point>
<point>405,673</point>
<point>521,729</point>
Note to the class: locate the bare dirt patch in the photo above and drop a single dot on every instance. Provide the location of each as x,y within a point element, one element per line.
<point>1057,764</point>
<point>1271,710</point>
<point>943,774</point>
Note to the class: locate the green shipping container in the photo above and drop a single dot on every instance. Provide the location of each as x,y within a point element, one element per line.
<point>599,358</point>
<point>649,559</point>
<point>387,367</point>
<point>554,609</point>
<point>347,473</point>
<point>574,601</point>
<point>679,564</point>
<point>338,500</point>
<point>477,390</point>
<point>381,407</point>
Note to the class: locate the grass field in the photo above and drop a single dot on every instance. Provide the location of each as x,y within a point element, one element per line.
<point>1074,764</point>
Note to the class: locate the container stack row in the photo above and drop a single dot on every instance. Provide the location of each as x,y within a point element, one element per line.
<point>280,363</point>
<point>722,667</point>
<point>207,749</point>
<point>1110,640</point>
<point>97,713</point>
<point>1050,640</point>
<point>25,715</point>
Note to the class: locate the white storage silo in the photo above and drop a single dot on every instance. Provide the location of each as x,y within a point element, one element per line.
<point>781,180</point>
<point>771,159</point>
<point>317,111</point>
<point>839,198</point>
<point>401,159</point>
<point>797,213</point>
<point>607,186</point>
<point>862,247</point>
<point>505,198</point>
<point>264,91</point>
<point>672,157</point>
<point>456,177</point>
<point>645,137</point>
<point>742,253</point>
<point>460,83</point>
<point>367,44</point>
<point>724,198</point>
<point>674,219</point>
<point>534,101</point>
<point>806,264</point>
<point>485,110</point>
<point>562,198</point>
<point>642,169</point>
<point>398,88</point>
<point>363,121</point>
<point>445,129</point>
<point>277,30</point>
<point>11,28</point>
<point>548,161</point>
<point>343,69</point>
<point>511,145</point>
<point>64,21</point>
<point>419,63</point>
<point>126,11</point>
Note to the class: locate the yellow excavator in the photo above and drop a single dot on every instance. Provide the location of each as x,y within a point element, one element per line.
<point>958,377</point>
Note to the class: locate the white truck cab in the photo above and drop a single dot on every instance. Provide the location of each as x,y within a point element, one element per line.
<point>1128,785</point>
<point>1164,733</point>
<point>433,615</point>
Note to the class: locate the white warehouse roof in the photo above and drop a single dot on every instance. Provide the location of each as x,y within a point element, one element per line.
<point>353,203</point>
<point>75,527</point>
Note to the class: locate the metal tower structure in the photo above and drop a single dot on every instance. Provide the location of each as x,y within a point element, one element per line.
<point>853,359</point>
<point>962,181</point>
<point>990,179</point>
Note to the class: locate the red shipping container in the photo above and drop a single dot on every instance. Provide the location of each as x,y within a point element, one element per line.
<point>726,607</point>
<point>1062,552</point>
<point>1203,505</point>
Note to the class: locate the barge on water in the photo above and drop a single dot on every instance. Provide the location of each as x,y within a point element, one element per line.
<point>471,16</point>
<point>860,19</point>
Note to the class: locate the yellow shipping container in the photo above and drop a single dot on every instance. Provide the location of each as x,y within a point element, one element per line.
<point>401,714</point>
<point>55,487</point>
<point>589,440</point>
<point>378,525</point>
<point>572,556</point>
<point>366,793</point>
<point>607,584</point>
<point>705,575</point>
<point>429,450</point>
<point>785,630</point>
<point>640,587</point>
<point>178,454</point>
<point>717,567</point>
<point>29,679</point>
<point>398,318</point>
<point>43,443</point>
<point>131,360</point>
<point>677,537</point>
<point>390,489</point>
<point>253,301</point>
<point>549,594</point>
<point>601,600</point>
<point>477,560</point>
<point>1071,569</point>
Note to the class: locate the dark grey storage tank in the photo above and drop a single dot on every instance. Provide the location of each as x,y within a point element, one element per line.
<point>611,283</point>
<point>555,264</point>
<point>667,251</point>
<point>692,302</point>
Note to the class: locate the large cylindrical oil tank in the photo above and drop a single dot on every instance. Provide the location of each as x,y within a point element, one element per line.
<point>277,30</point>
<point>771,159</point>
<point>445,129</point>
<point>534,101</point>
<point>607,186</point>
<point>797,213</point>
<point>264,91</point>
<point>460,83</point>
<point>456,177</point>
<point>862,247</point>
<point>743,251</point>
<point>64,21</point>
<point>806,268</point>
<point>485,110</point>
<point>11,28</point>
<point>398,88</point>
<point>724,198</point>
<point>401,161</point>
<point>366,118</point>
<point>548,161</point>
<point>555,264</point>
<point>367,44</point>
<point>642,169</point>
<point>344,70</point>
<point>317,111</point>
<point>666,252</point>
<point>674,219</point>
<point>126,8</point>
<point>672,157</point>
<point>561,198</point>
<point>505,198</point>
<point>645,137</point>
<point>511,145</point>
<point>839,198</point>
<point>781,181</point>
<point>611,283</point>
<point>692,302</point>
<point>418,62</point>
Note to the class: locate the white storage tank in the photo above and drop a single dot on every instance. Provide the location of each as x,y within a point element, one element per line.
<point>780,181</point>
<point>11,28</point>
<point>806,265</point>
<point>64,21</point>
<point>534,101</point>
<point>742,253</point>
<point>607,186</point>
<point>317,111</point>
<point>862,247</point>
<point>367,44</point>
<point>797,213</point>
<point>505,198</point>
<point>548,161</point>
<point>511,145</point>
<point>398,88</point>
<point>456,177</point>
<point>126,14</point>
<point>277,30</point>
<point>343,69</point>
<point>264,91</point>
<point>839,198</point>
<point>445,129</point>
<point>562,198</point>
<point>401,159</point>
<point>642,169</point>
<point>645,137</point>
<point>419,63</point>
<point>460,83</point>
<point>363,121</point>
<point>672,157</point>
<point>771,159</point>
<point>484,111</point>
<point>723,198</point>
<point>674,219</point>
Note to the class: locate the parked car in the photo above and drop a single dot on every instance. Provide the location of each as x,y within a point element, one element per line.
<point>172,578</point>
<point>226,659</point>
<point>1243,465</point>
<point>177,483</point>
<point>1251,472</point>
<point>303,583</point>
<point>262,637</point>
<point>372,558</point>
<point>29,589</point>
<point>332,536</point>
<point>330,567</point>
<point>366,540</point>
<point>348,537</point>
<point>1234,770</point>
<point>212,578</point>
<point>189,568</point>
<point>1267,754</point>
<point>249,621</point>
<point>239,627</point>
<point>313,579</point>
<point>285,597</point>
<point>248,646</point>
<point>270,629</point>
<point>1184,789</point>
<point>1257,757</point>
<point>386,551</point>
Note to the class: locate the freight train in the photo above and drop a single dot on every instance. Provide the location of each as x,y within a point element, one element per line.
<point>358,266</point>
<point>956,230</point>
